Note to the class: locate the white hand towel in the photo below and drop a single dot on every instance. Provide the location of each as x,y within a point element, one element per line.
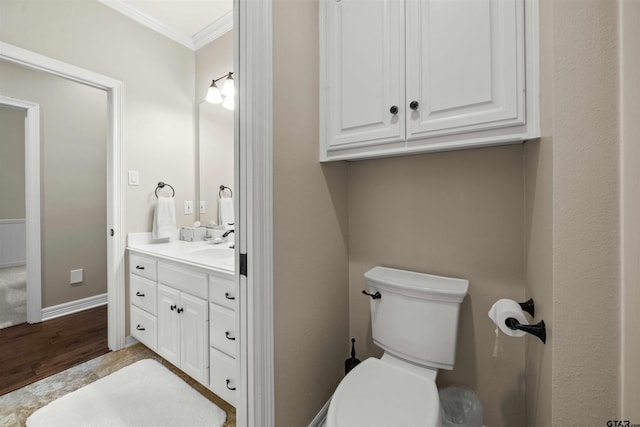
<point>225,211</point>
<point>164,218</point>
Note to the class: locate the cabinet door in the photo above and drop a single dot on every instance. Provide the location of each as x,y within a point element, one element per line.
<point>194,333</point>
<point>169,324</point>
<point>363,73</point>
<point>465,65</point>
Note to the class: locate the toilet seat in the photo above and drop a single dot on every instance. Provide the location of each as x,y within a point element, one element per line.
<point>380,394</point>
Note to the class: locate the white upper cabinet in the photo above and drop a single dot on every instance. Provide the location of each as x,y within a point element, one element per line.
<point>409,76</point>
<point>364,73</point>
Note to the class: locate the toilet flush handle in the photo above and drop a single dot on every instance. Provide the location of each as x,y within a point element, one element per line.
<point>373,296</point>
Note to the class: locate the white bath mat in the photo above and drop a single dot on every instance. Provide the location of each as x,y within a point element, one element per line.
<point>144,394</point>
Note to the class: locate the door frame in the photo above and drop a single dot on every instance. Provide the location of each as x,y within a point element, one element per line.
<point>116,239</point>
<point>32,203</point>
<point>253,58</point>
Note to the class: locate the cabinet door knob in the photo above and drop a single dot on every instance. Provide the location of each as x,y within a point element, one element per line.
<point>180,310</point>
<point>227,296</point>
<point>229,337</point>
<point>139,294</point>
<point>414,105</point>
<point>140,328</point>
<point>230,388</point>
<point>393,109</point>
<point>173,307</point>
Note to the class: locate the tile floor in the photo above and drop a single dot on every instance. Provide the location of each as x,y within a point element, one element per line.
<point>15,407</point>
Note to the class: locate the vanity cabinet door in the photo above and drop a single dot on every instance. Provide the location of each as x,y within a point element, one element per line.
<point>169,324</point>
<point>465,66</point>
<point>194,332</point>
<point>363,88</point>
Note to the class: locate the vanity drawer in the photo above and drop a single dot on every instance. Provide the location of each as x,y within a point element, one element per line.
<point>144,327</point>
<point>223,291</point>
<point>142,293</point>
<point>189,281</point>
<point>222,329</point>
<point>222,376</point>
<point>142,266</point>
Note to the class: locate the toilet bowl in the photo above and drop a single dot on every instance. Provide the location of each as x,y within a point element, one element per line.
<point>414,320</point>
<point>380,394</point>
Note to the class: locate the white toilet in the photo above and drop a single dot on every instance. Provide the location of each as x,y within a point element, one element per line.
<point>414,319</point>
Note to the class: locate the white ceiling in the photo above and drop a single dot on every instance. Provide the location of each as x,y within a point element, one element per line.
<point>192,23</point>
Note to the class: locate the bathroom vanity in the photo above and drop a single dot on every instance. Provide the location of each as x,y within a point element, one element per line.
<point>183,305</point>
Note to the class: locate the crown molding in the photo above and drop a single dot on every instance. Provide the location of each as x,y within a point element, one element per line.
<point>203,37</point>
<point>216,29</point>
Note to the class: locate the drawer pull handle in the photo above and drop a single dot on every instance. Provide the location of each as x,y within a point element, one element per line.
<point>230,388</point>
<point>226,334</point>
<point>139,267</point>
<point>180,310</point>
<point>227,296</point>
<point>173,307</point>
<point>139,294</point>
<point>140,328</point>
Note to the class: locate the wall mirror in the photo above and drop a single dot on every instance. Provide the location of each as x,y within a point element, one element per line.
<point>216,158</point>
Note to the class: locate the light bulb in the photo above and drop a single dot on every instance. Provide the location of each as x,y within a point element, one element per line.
<point>229,89</point>
<point>213,94</point>
<point>229,103</point>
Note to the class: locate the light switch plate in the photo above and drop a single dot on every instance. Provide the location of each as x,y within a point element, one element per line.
<point>188,207</point>
<point>134,178</point>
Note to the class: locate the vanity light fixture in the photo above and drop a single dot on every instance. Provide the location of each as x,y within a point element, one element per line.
<point>224,96</point>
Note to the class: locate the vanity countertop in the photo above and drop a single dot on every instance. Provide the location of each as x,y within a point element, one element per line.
<point>203,254</point>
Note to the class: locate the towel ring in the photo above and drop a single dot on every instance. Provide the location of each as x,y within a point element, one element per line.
<point>162,185</point>
<point>222,188</point>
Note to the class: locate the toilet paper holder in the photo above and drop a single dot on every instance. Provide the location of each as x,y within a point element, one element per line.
<point>539,329</point>
<point>528,306</point>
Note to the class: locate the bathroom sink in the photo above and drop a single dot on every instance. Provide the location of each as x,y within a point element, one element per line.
<point>220,256</point>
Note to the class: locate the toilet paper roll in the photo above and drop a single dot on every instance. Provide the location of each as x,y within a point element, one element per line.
<point>502,310</point>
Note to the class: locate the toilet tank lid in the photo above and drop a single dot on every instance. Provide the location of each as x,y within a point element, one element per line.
<point>420,285</point>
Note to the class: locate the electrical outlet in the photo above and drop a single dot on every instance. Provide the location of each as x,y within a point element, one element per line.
<point>203,206</point>
<point>76,276</point>
<point>188,207</point>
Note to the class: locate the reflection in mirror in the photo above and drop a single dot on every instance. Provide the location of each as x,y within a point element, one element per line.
<point>216,157</point>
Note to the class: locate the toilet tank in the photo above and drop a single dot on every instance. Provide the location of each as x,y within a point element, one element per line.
<point>416,317</point>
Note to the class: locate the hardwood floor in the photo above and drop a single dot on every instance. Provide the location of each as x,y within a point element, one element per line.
<point>29,353</point>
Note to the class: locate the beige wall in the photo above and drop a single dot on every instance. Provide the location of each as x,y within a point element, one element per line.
<point>73,180</point>
<point>12,163</point>
<point>158,76</point>
<point>538,234</point>
<point>630,91</point>
<point>311,290</point>
<point>585,361</point>
<point>215,126</point>
<point>457,214</point>
<point>572,193</point>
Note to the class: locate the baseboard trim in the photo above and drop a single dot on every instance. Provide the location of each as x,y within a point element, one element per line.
<point>13,264</point>
<point>321,419</point>
<point>71,307</point>
<point>130,341</point>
